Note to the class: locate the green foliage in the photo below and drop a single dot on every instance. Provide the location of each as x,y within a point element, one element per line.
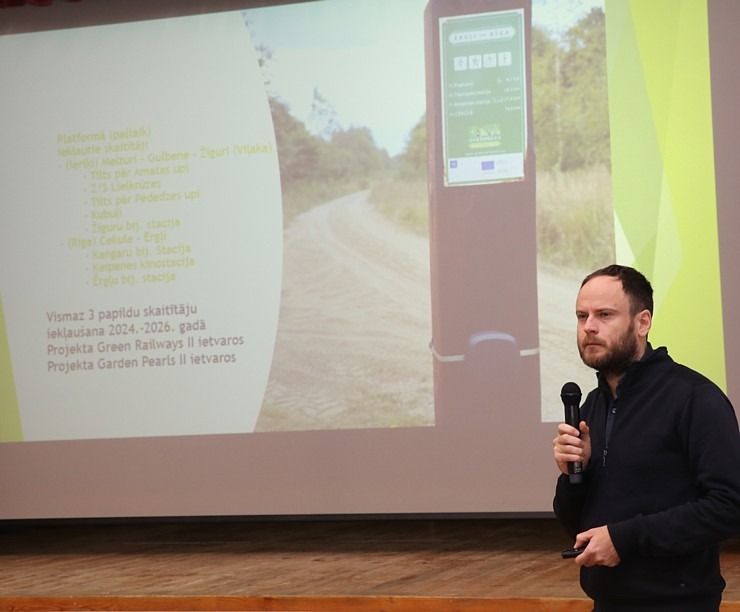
<point>545,97</point>
<point>575,218</point>
<point>313,170</point>
<point>404,201</point>
<point>413,162</point>
<point>585,101</point>
<point>569,89</point>
<point>353,154</point>
<point>298,154</point>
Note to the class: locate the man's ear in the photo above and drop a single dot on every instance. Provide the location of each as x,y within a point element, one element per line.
<point>644,323</point>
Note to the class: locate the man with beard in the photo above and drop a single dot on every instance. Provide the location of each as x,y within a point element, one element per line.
<point>660,450</point>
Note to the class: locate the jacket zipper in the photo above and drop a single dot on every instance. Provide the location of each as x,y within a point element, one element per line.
<point>611,413</point>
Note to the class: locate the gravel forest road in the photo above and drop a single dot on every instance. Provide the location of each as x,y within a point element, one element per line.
<point>355,323</point>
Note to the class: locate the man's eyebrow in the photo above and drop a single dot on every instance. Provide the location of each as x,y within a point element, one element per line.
<point>599,309</point>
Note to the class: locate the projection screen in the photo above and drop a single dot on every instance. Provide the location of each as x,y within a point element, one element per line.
<point>321,257</point>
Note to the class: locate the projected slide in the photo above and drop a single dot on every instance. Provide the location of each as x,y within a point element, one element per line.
<point>231,234</point>
<point>142,247</point>
<point>321,257</point>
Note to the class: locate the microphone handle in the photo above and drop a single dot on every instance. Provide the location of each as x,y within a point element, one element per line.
<point>575,468</point>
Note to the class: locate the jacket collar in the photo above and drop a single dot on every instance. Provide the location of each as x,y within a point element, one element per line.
<point>636,371</point>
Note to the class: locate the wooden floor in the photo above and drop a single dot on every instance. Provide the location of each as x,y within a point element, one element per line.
<point>405,565</point>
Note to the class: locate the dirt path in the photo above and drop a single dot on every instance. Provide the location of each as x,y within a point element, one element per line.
<point>355,323</point>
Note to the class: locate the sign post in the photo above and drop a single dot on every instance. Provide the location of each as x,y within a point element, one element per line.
<point>482,209</point>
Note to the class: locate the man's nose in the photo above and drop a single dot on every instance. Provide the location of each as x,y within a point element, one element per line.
<point>590,326</point>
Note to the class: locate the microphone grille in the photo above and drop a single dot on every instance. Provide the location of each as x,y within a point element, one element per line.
<point>570,388</point>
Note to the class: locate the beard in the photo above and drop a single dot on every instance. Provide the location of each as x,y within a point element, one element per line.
<point>616,360</point>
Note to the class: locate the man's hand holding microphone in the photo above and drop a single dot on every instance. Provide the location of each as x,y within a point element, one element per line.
<point>572,450</point>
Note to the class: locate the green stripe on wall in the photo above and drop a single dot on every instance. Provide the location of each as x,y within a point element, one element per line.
<point>663,170</point>
<point>10,422</point>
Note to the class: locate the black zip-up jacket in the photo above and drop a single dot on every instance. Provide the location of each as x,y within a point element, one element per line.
<point>666,482</point>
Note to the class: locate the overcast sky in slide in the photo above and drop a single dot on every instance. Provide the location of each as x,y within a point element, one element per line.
<point>365,58</point>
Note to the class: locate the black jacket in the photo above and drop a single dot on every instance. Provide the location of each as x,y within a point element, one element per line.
<point>666,482</point>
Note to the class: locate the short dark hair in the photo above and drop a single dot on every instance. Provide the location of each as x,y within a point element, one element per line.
<point>637,288</point>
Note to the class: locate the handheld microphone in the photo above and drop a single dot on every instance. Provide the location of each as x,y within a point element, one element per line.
<point>571,396</point>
